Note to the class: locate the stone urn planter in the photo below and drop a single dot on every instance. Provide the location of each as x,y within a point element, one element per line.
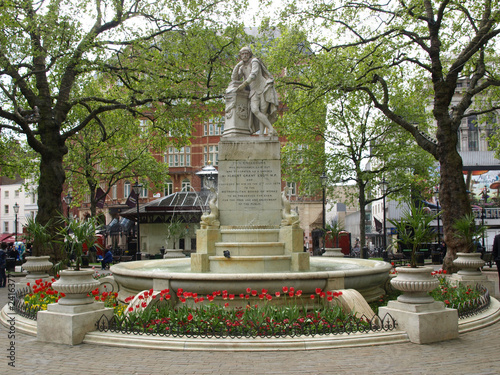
<point>76,285</point>
<point>37,267</point>
<point>415,283</point>
<point>174,253</point>
<point>469,264</point>
<point>333,252</point>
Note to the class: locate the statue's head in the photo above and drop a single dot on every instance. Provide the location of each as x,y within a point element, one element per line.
<point>247,51</point>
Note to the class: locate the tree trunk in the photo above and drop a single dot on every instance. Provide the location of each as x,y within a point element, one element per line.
<point>50,187</point>
<point>362,217</point>
<point>453,197</point>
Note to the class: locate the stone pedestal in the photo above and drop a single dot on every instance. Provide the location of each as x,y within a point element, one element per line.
<point>473,280</point>
<point>424,323</point>
<point>200,263</point>
<point>64,324</point>
<point>249,181</point>
<point>238,114</point>
<point>250,235</point>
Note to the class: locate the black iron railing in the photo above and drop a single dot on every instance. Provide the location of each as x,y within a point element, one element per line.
<point>475,306</point>
<point>23,309</point>
<point>250,329</point>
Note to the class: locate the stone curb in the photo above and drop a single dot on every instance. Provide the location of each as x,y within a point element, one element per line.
<point>28,326</point>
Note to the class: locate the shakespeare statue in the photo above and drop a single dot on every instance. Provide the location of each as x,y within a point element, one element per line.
<point>251,77</point>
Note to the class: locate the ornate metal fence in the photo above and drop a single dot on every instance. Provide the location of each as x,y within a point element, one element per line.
<point>475,306</point>
<point>22,309</point>
<point>250,329</point>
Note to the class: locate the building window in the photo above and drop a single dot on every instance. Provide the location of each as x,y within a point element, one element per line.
<point>114,192</point>
<point>169,187</point>
<point>16,193</point>
<point>214,126</point>
<point>211,153</point>
<point>292,188</point>
<point>6,194</point>
<point>33,198</point>
<point>473,133</point>
<point>178,157</point>
<point>6,227</point>
<point>491,127</point>
<point>186,185</point>
<point>126,189</point>
<point>144,126</point>
<point>144,192</point>
<point>6,209</point>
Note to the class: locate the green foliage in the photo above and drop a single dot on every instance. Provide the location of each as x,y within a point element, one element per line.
<point>455,296</point>
<point>414,228</point>
<point>335,227</point>
<point>40,236</point>
<point>152,312</point>
<point>75,235</point>
<point>467,230</point>
<point>176,229</point>
<point>409,60</point>
<point>67,64</point>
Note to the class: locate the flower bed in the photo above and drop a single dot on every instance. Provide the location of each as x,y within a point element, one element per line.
<point>468,301</point>
<point>151,313</point>
<point>38,295</point>
<point>251,314</point>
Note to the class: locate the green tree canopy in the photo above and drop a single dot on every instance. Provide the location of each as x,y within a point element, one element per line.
<point>403,55</point>
<point>168,51</point>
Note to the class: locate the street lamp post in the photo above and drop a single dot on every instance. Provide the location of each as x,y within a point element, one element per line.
<point>68,199</point>
<point>383,188</point>
<point>16,211</point>
<point>323,185</point>
<point>436,195</point>
<point>137,189</point>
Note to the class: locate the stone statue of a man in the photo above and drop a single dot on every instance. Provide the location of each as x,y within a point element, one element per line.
<point>263,96</point>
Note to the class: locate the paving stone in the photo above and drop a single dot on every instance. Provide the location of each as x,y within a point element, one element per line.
<point>473,353</point>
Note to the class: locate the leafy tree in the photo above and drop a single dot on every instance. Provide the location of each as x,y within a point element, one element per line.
<point>362,148</point>
<point>167,51</point>
<point>116,148</point>
<point>407,57</point>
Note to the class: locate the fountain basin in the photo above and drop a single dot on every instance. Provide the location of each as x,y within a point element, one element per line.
<point>366,276</point>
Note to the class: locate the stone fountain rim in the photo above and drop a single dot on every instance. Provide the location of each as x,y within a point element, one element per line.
<point>126,269</point>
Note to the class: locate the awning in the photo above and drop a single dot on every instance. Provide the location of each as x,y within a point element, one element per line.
<point>11,237</point>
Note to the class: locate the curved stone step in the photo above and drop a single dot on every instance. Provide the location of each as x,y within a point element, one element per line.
<point>249,234</point>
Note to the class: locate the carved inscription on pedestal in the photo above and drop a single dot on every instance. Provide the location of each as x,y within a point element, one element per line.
<point>249,185</point>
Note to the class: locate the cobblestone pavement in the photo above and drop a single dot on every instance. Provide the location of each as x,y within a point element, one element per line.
<point>476,352</point>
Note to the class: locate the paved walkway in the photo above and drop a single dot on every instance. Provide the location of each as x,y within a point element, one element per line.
<point>476,352</point>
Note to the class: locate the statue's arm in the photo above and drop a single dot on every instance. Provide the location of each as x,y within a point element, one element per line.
<point>235,76</point>
<point>252,76</point>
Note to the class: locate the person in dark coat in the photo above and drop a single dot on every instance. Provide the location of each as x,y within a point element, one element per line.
<point>107,260</point>
<point>496,253</point>
<point>3,265</point>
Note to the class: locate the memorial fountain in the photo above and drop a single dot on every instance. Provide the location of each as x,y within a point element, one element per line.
<point>251,237</point>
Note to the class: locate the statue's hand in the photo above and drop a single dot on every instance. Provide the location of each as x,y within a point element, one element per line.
<point>241,87</point>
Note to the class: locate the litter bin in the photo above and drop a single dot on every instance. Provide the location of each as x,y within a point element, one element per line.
<point>436,257</point>
<point>419,257</point>
<point>364,253</point>
<point>10,264</point>
<point>85,261</point>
